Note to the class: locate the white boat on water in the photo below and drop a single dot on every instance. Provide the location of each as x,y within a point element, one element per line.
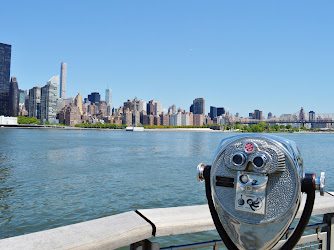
<point>134,129</point>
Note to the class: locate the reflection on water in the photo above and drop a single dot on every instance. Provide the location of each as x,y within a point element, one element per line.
<point>51,178</point>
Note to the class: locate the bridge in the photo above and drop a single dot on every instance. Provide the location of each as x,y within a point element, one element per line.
<point>299,117</point>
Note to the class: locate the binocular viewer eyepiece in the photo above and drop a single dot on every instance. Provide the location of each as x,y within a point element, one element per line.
<point>254,189</point>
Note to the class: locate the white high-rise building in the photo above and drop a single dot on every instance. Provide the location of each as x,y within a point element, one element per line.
<point>109,97</point>
<point>141,105</point>
<point>63,73</point>
<point>172,109</point>
<point>185,119</point>
<point>55,82</point>
<point>158,108</point>
<point>175,119</point>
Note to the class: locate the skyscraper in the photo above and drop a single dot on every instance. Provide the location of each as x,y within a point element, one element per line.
<point>213,112</point>
<point>35,102</point>
<point>78,103</point>
<point>94,97</point>
<point>49,103</point>
<point>109,97</point>
<point>128,105</point>
<point>199,106</point>
<point>63,73</point>
<point>257,114</point>
<point>154,107</point>
<point>55,82</point>
<point>311,116</point>
<point>5,57</point>
<point>22,96</point>
<point>158,108</point>
<point>302,115</point>
<point>172,109</point>
<point>26,101</point>
<point>220,111</point>
<point>141,105</point>
<point>22,99</point>
<point>103,108</point>
<point>13,97</point>
<point>150,108</point>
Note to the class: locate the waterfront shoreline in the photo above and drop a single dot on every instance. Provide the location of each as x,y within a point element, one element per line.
<point>201,130</point>
<point>38,127</point>
<point>230,131</point>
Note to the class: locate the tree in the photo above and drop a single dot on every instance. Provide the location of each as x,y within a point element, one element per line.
<point>256,128</point>
<point>294,129</point>
<point>237,126</point>
<point>288,126</point>
<point>276,127</point>
<point>244,128</point>
<point>263,125</point>
<point>28,120</point>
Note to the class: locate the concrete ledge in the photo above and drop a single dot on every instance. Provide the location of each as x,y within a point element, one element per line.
<point>106,233</point>
<point>179,220</point>
<point>192,219</point>
<point>322,205</point>
<point>123,229</point>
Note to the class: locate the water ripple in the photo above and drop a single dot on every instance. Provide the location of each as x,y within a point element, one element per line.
<point>51,178</point>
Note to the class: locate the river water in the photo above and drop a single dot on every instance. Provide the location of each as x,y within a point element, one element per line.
<point>54,177</point>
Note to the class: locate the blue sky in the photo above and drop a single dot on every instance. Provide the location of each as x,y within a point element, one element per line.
<point>274,56</point>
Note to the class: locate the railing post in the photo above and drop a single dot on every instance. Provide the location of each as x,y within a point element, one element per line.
<point>216,247</point>
<point>329,219</point>
<point>145,245</point>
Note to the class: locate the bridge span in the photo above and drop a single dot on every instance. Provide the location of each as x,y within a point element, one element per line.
<point>299,118</point>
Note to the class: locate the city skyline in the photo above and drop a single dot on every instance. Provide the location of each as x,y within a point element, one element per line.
<point>46,105</point>
<point>197,107</point>
<point>276,56</point>
<point>59,90</point>
<point>55,103</point>
<point>43,104</point>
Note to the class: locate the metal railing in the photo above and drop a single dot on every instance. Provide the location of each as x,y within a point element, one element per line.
<point>319,240</point>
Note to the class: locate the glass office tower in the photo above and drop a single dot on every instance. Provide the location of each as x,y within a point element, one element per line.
<point>5,56</point>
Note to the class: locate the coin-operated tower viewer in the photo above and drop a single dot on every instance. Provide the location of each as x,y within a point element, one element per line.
<point>254,189</point>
